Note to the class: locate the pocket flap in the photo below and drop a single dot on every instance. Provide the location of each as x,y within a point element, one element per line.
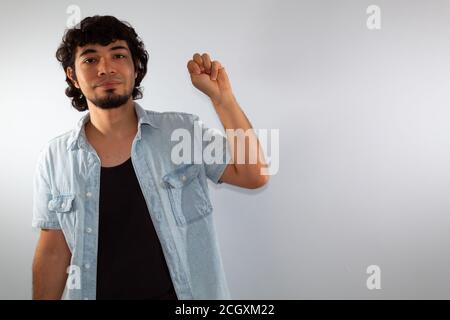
<point>61,203</point>
<point>182,176</point>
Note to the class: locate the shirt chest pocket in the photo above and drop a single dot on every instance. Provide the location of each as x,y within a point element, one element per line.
<point>188,198</point>
<point>64,207</point>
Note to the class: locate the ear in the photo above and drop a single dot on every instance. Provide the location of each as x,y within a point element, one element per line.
<point>72,76</point>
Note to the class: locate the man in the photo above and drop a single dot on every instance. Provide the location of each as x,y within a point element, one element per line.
<point>119,218</point>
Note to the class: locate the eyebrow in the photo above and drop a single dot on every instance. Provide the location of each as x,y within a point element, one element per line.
<point>87,51</point>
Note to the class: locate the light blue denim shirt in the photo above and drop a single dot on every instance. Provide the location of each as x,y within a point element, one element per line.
<point>66,196</point>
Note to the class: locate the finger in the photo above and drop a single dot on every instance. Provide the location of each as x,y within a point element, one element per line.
<point>206,63</point>
<point>215,69</point>
<point>198,58</point>
<point>193,67</point>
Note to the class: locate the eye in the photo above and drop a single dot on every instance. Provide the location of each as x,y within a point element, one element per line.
<point>89,60</point>
<point>120,56</point>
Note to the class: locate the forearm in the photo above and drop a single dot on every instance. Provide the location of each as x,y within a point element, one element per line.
<point>49,276</point>
<point>247,156</point>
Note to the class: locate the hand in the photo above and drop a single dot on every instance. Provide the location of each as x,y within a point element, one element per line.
<point>209,77</point>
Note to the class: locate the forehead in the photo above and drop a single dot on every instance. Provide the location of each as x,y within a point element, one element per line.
<point>90,47</point>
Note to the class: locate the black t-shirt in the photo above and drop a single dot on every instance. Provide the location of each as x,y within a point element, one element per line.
<point>130,261</point>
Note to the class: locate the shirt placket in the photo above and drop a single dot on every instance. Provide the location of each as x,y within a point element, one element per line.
<point>90,224</point>
<point>174,263</point>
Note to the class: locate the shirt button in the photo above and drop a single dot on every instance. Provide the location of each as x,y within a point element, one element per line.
<point>88,230</point>
<point>88,194</point>
<point>87,266</point>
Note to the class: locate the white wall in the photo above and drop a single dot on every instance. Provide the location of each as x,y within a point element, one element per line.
<point>364,136</point>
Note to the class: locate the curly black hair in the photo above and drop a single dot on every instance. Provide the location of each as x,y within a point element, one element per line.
<point>100,30</point>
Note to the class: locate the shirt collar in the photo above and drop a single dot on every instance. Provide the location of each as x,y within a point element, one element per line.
<point>78,133</point>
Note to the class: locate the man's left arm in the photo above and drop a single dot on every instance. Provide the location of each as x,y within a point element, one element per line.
<point>247,158</point>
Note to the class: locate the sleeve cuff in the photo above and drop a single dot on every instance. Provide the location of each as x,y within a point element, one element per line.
<point>41,224</point>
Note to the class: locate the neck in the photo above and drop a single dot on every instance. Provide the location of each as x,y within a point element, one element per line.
<point>117,123</point>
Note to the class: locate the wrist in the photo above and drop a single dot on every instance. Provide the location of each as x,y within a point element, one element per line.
<point>224,100</point>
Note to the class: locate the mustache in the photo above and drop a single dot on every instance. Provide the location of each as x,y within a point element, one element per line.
<point>107,80</point>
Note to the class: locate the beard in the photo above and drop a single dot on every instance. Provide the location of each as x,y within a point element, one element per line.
<point>111,100</point>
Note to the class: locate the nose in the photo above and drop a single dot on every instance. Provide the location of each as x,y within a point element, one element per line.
<point>105,67</point>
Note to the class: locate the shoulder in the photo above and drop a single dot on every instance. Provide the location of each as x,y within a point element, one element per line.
<point>173,119</point>
<point>55,148</point>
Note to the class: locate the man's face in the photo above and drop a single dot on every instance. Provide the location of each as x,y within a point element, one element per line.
<point>105,74</point>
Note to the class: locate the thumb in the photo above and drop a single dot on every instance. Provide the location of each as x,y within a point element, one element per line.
<point>222,78</point>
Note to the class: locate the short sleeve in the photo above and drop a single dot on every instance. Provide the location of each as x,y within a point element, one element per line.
<point>42,217</point>
<point>215,150</point>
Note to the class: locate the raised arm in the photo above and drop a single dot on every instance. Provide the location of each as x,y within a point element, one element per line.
<point>212,79</point>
